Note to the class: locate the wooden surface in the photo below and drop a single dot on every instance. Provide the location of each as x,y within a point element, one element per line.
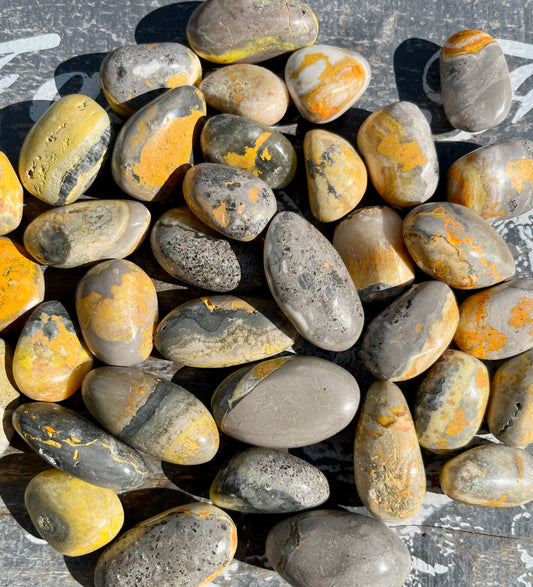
<point>51,48</point>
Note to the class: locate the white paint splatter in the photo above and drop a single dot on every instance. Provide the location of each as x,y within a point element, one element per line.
<point>424,567</point>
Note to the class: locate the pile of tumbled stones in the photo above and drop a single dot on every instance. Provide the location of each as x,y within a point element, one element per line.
<point>318,288</point>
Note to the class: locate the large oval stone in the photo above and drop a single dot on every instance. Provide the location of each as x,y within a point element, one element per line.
<point>311,284</point>
<point>453,243</point>
<point>65,149</point>
<point>286,402</point>
<point>11,197</point>
<point>9,395</point>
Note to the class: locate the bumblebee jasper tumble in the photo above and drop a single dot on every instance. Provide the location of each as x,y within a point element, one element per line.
<point>73,516</point>
<point>65,149</point>
<point>11,196</point>
<point>9,396</point>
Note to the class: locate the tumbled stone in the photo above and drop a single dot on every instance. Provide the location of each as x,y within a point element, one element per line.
<point>50,360</point>
<point>400,155</point>
<point>11,197</point>
<point>388,466</point>
<point>232,201</point>
<point>65,149</point>
<point>325,81</point>
<point>370,243</point>
<point>73,516</point>
<point>222,331</point>
<point>9,395</point>
<point>262,480</point>
<point>286,402</point>
<point>187,545</point>
<point>410,334</point>
<point>85,232</point>
<point>492,475</point>
<point>155,416</point>
<point>153,149</point>
<point>474,79</point>
<point>451,401</point>
<point>247,90</point>
<point>311,284</point>
<point>243,143</point>
<point>132,75</point>
<point>116,303</point>
<point>337,547</point>
<point>76,446</point>
<point>229,31</point>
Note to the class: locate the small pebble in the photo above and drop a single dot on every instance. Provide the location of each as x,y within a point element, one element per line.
<point>11,197</point>
<point>9,395</point>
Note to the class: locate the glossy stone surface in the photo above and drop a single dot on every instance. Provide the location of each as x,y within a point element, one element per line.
<point>232,201</point>
<point>73,516</point>
<point>388,466</point>
<point>50,360</point>
<point>85,232</point>
<point>311,284</point>
<point>153,149</point>
<point>247,90</point>
<point>370,243</point>
<point>132,75</point>
<point>474,78</point>
<point>451,401</point>
<point>76,446</point>
<point>9,395</point>
<point>336,547</point>
<point>262,481</point>
<point>286,402</point>
<point>187,545</point>
<point>222,331</point>
<point>116,303</point>
<point>65,149</point>
<point>453,243</point>
<point>491,475</point>
<point>242,143</point>
<point>151,414</point>
<point>11,196</point>
<point>229,31</point>
<point>410,334</point>
<point>399,152</point>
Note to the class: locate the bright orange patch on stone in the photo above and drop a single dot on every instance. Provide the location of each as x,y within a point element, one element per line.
<point>463,42</point>
<point>11,195</point>
<point>248,159</point>
<point>457,425</point>
<point>221,215</point>
<point>521,315</point>
<point>408,155</point>
<point>519,173</point>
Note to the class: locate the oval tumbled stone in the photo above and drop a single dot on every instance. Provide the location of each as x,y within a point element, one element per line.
<point>9,395</point>
<point>286,402</point>
<point>11,197</point>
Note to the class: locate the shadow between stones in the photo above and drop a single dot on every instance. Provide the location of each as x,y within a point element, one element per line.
<point>166,24</point>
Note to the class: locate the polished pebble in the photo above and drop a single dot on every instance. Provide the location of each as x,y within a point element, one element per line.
<point>286,402</point>
<point>311,284</point>
<point>187,545</point>
<point>400,155</point>
<point>325,548</point>
<point>9,395</point>
<point>73,516</point>
<point>65,149</point>
<point>76,446</point>
<point>474,79</point>
<point>222,331</point>
<point>11,197</point>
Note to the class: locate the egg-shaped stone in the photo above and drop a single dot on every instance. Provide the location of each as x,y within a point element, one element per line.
<point>86,232</point>
<point>311,284</point>
<point>133,75</point>
<point>239,142</point>
<point>410,334</point>
<point>221,331</point>
<point>151,414</point>
<point>116,303</point>
<point>264,480</point>
<point>453,243</point>
<point>65,149</point>
<point>337,547</point>
<point>9,395</point>
<point>451,401</point>
<point>400,155</point>
<point>50,360</point>
<point>153,149</point>
<point>187,545</point>
<point>370,242</point>
<point>492,475</point>
<point>73,516</point>
<point>230,200</point>
<point>474,79</point>
<point>325,81</point>
<point>11,197</point>
<point>229,31</point>
<point>388,466</point>
<point>76,446</point>
<point>286,402</point>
